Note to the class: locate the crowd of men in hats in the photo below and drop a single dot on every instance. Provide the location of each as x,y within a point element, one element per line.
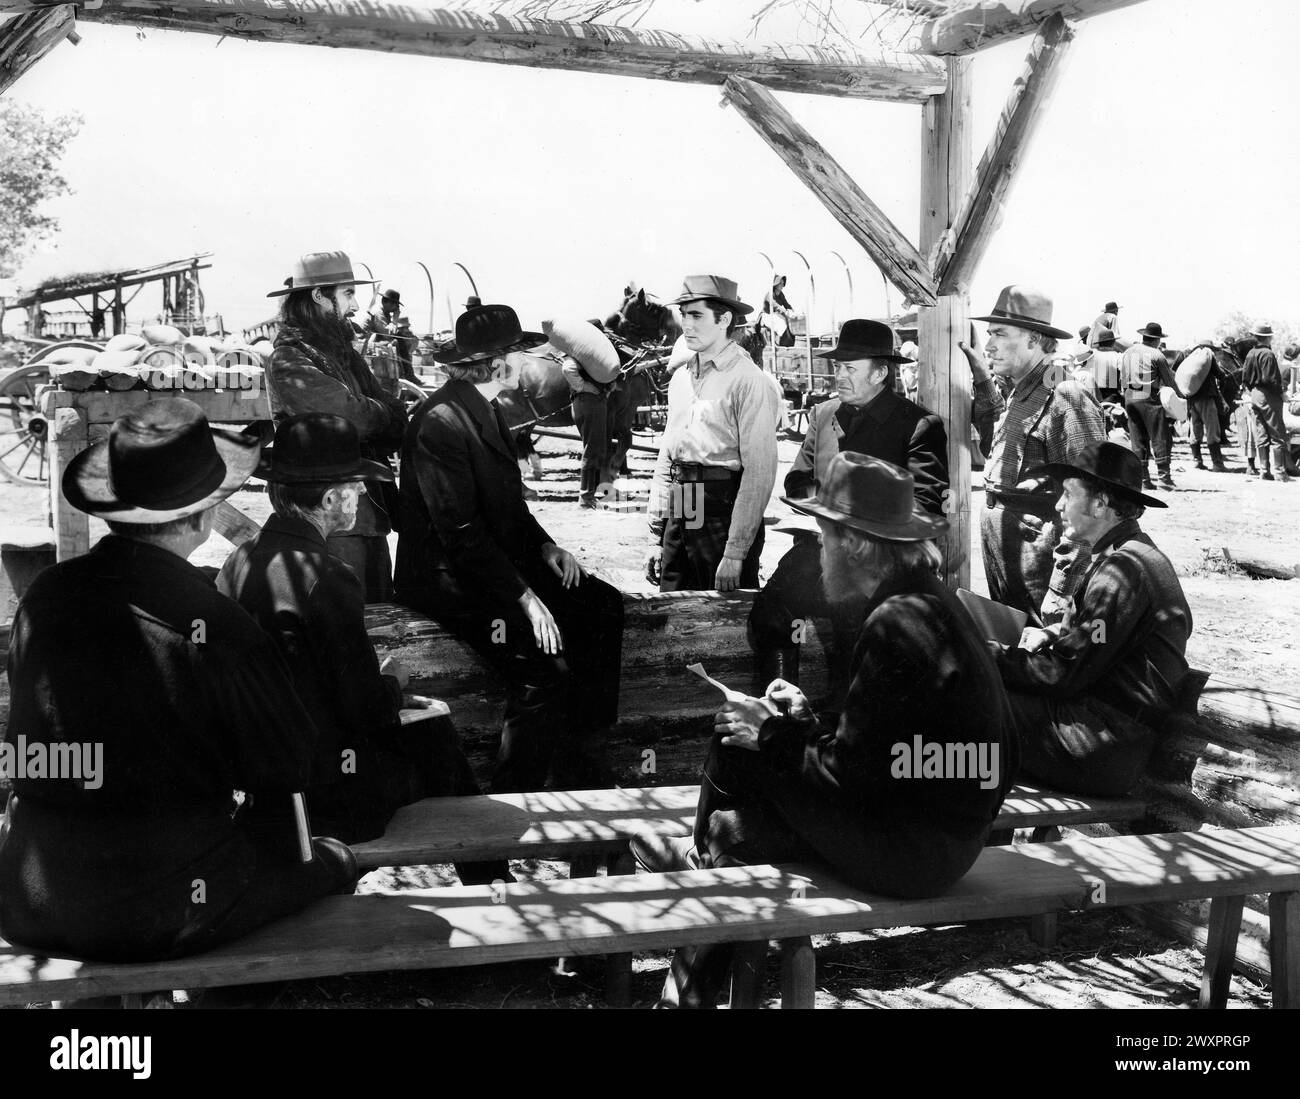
<point>219,704</point>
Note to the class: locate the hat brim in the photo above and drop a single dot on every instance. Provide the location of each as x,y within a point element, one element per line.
<point>1254,333</point>
<point>86,483</point>
<point>850,355</point>
<point>1062,470</point>
<point>1032,326</point>
<point>313,285</point>
<point>526,342</point>
<point>921,527</point>
<point>731,303</point>
<point>363,469</point>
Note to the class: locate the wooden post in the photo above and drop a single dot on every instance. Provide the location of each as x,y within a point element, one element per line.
<point>119,310</point>
<point>979,25</point>
<point>798,974</point>
<point>1284,948</point>
<point>1220,950</point>
<point>68,438</point>
<point>944,376</point>
<point>29,37</point>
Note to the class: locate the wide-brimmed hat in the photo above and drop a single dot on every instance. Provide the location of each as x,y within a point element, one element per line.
<point>695,287</point>
<point>1152,331</point>
<point>161,461</point>
<point>1105,337</point>
<point>1110,307</point>
<point>1114,465</point>
<point>485,332</point>
<point>392,295</point>
<point>1262,330</point>
<point>318,448</point>
<point>1024,307</point>
<point>320,269</point>
<point>873,496</point>
<point>860,339</point>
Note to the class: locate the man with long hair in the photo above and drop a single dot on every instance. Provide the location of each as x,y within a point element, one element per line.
<point>316,368</point>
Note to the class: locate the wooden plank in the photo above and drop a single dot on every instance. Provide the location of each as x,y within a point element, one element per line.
<point>232,524</point>
<point>981,213</point>
<point>28,38</point>
<point>581,47</point>
<point>821,173</point>
<point>1220,951</point>
<point>220,406</point>
<point>944,381</point>
<point>980,25</point>
<point>1284,948</point>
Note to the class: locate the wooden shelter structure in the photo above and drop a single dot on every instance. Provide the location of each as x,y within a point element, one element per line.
<point>961,202</point>
<point>105,303</point>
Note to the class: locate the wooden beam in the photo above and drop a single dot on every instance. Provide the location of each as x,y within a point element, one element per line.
<point>943,375</point>
<point>29,37</point>
<point>582,47</point>
<point>982,211</point>
<point>978,26</point>
<point>892,252</point>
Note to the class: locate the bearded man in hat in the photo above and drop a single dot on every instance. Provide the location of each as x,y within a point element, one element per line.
<point>867,417</point>
<point>1088,697</point>
<point>717,461</point>
<point>367,762</point>
<point>473,557</point>
<point>1047,419</point>
<point>1261,378</point>
<point>780,786</point>
<point>1144,371</point>
<point>316,368</point>
<point>173,699</point>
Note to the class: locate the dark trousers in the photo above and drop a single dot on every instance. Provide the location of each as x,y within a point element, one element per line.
<point>792,595</point>
<point>556,706</point>
<point>591,417</point>
<point>1018,557</point>
<point>693,547</point>
<point>1204,415</point>
<point>1081,745</point>
<point>1149,431</point>
<point>749,814</point>
<point>370,559</point>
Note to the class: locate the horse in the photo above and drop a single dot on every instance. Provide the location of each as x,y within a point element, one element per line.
<point>637,329</point>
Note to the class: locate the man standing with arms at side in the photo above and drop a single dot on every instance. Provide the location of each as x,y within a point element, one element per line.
<point>315,368</point>
<point>1143,371</point>
<point>1261,378</point>
<point>1046,421</point>
<point>717,463</point>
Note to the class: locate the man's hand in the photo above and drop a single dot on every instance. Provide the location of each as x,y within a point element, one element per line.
<point>545,632</point>
<point>788,699</point>
<point>979,372</point>
<point>653,565</point>
<point>1033,639</point>
<point>397,670</point>
<point>739,722</point>
<point>562,563</point>
<point>727,578</point>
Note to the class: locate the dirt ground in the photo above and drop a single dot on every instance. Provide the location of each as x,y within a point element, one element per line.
<point>1102,959</point>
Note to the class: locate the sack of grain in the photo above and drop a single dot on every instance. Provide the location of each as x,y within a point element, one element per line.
<point>163,335</point>
<point>70,356</point>
<point>126,341</point>
<point>586,343</point>
<point>1194,369</point>
<point>75,377</point>
<point>1174,405</point>
<point>198,350</point>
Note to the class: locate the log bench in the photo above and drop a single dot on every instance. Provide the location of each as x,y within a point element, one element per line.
<point>443,928</point>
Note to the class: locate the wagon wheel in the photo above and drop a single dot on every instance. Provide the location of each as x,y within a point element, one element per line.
<point>23,430</point>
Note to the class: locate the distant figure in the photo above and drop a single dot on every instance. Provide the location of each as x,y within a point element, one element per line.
<point>776,305</point>
<point>1261,377</point>
<point>385,323</point>
<point>1108,318</point>
<point>1144,370</point>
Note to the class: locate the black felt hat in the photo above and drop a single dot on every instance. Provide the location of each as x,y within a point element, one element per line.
<point>1116,466</point>
<point>485,332</point>
<point>318,448</point>
<point>861,339</point>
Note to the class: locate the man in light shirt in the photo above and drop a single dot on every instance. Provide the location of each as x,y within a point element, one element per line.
<point>717,463</point>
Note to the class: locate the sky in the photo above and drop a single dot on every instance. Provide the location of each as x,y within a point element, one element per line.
<point>1164,175</point>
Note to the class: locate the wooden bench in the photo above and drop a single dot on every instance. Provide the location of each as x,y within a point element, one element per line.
<point>443,928</point>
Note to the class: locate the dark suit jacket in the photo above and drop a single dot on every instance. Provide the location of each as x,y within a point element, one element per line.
<point>312,606</point>
<point>891,428</point>
<point>920,669</point>
<point>462,499</point>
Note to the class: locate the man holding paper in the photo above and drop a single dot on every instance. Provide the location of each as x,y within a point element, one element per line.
<point>900,796</point>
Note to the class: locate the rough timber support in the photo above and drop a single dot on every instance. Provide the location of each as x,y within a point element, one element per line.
<point>945,380</point>
<point>892,252</point>
<point>981,212</point>
<point>895,76</point>
<point>29,37</point>
<point>978,26</point>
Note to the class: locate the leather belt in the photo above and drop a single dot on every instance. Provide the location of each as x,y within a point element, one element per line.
<point>690,472</point>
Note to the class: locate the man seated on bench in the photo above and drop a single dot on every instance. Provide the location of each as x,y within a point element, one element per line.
<point>367,763</point>
<point>148,700</point>
<point>1088,696</point>
<point>472,556</point>
<point>900,797</point>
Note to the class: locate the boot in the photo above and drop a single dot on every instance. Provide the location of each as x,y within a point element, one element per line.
<point>1216,458</point>
<point>1196,455</point>
<point>776,664</point>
